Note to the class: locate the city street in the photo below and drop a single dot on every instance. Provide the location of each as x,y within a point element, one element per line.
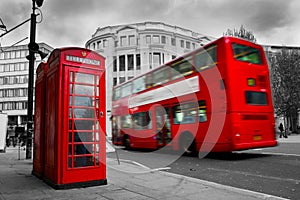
<point>273,171</point>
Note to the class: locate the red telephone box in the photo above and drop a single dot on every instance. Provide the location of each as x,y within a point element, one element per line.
<point>75,131</point>
<point>39,120</point>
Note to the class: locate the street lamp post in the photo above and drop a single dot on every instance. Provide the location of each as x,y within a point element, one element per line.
<point>33,48</point>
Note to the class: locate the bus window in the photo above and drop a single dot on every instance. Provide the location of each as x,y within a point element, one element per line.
<point>206,58</point>
<point>256,98</point>
<point>138,85</point>
<point>202,111</point>
<point>142,120</point>
<point>126,90</point>
<point>161,76</point>
<point>149,82</point>
<point>126,121</point>
<point>116,94</point>
<point>246,54</point>
<point>185,113</point>
<point>182,68</point>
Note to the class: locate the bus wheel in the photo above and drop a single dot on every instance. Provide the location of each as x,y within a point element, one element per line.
<point>187,144</point>
<point>126,142</point>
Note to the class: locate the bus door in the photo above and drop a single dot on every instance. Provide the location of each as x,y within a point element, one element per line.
<point>163,126</point>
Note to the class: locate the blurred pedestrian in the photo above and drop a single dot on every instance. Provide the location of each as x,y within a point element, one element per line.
<point>281,129</point>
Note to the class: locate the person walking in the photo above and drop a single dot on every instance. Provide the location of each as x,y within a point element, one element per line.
<point>281,128</point>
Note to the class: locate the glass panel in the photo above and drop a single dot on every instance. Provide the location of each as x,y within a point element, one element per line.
<point>246,54</point>
<point>80,149</point>
<point>126,90</point>
<point>70,137</point>
<point>70,125</point>
<point>185,114</point>
<point>126,121</point>
<point>84,89</point>
<point>206,58</point>
<point>71,76</point>
<point>182,68</point>
<point>83,161</point>
<point>161,76</point>
<point>83,124</point>
<point>138,85</point>
<point>202,111</point>
<point>256,98</point>
<point>142,120</point>
<point>83,137</point>
<point>70,113</point>
<point>84,78</point>
<point>70,162</point>
<point>83,113</point>
<point>71,101</point>
<point>70,150</point>
<point>83,101</point>
<point>71,88</point>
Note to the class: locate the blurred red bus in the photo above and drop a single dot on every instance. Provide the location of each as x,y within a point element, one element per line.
<point>215,98</point>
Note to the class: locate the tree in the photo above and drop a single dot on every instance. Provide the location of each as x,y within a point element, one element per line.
<point>242,33</point>
<point>285,76</point>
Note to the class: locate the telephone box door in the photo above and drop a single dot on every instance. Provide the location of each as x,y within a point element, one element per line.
<point>85,126</point>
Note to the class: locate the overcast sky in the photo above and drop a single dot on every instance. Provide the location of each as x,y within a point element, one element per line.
<point>72,22</point>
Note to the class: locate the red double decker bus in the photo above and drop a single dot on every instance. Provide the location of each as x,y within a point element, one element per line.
<point>215,98</point>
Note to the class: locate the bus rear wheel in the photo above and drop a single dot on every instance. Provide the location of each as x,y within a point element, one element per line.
<point>187,144</point>
<point>126,142</point>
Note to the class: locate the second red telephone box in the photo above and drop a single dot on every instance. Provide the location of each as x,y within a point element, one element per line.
<point>75,151</point>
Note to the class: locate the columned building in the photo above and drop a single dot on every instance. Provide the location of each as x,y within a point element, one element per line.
<point>14,69</point>
<point>133,49</point>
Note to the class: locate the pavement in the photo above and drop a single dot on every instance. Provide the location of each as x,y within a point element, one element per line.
<point>126,180</point>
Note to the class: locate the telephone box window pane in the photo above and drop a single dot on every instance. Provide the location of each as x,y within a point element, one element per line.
<point>70,150</point>
<point>71,101</point>
<point>71,76</point>
<point>83,101</point>
<point>70,162</point>
<point>70,124</point>
<point>84,89</point>
<point>83,124</point>
<point>83,137</point>
<point>83,161</point>
<point>83,113</point>
<point>97,161</point>
<point>70,137</point>
<point>84,78</point>
<point>71,89</point>
<point>81,149</point>
<point>70,113</point>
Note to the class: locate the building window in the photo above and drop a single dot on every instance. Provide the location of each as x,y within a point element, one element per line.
<point>182,43</point>
<point>105,43</point>
<point>122,63</point>
<point>173,57</point>
<point>148,39</point>
<point>130,77</point>
<point>131,40</point>
<point>130,62</point>
<point>123,41</point>
<point>122,80</point>
<point>163,39</point>
<point>99,45</point>
<point>194,46</point>
<point>156,39</point>
<point>115,63</point>
<point>138,61</point>
<point>115,81</point>
<point>156,59</point>
<point>173,41</point>
<point>188,45</point>
<point>150,60</point>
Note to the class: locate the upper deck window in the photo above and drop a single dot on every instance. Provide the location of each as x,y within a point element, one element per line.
<point>246,54</point>
<point>206,58</point>
<point>256,98</point>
